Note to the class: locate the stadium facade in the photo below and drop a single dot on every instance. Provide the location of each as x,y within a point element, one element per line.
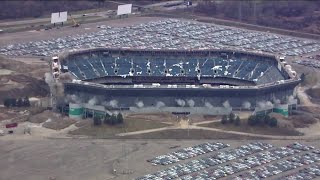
<point>193,81</point>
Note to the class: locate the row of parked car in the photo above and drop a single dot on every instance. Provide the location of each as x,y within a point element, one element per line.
<point>188,152</point>
<point>280,167</point>
<point>193,166</point>
<point>168,34</point>
<point>311,172</point>
<point>243,164</point>
<point>309,62</point>
<point>299,146</point>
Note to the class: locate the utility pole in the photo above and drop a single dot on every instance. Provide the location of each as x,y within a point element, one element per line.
<point>255,11</point>
<point>240,11</point>
<point>188,126</point>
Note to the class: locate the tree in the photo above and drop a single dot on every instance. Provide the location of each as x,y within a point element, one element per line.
<point>9,102</point>
<point>232,117</point>
<point>26,102</point>
<point>259,119</point>
<point>96,121</point>
<point>107,120</point>
<point>6,102</point>
<point>120,118</point>
<point>20,102</point>
<point>302,77</point>
<point>237,121</point>
<point>12,102</point>
<point>224,119</point>
<point>273,122</point>
<point>267,119</point>
<point>252,120</point>
<point>113,119</point>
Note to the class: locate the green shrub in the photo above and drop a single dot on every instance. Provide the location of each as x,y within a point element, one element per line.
<point>232,117</point>
<point>273,122</point>
<point>237,121</point>
<point>224,120</point>
<point>97,121</point>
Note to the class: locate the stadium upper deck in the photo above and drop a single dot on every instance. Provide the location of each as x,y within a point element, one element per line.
<point>133,76</point>
<point>182,66</point>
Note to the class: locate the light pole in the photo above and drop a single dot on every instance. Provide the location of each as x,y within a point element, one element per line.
<point>188,126</point>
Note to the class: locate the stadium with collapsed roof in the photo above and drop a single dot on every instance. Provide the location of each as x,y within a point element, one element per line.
<point>191,81</point>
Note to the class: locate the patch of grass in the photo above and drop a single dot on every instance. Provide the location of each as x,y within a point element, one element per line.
<point>244,127</point>
<point>108,131</point>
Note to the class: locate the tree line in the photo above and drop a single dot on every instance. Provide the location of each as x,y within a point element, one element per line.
<point>253,120</point>
<point>256,120</point>
<point>280,14</point>
<point>13,102</point>
<point>107,119</point>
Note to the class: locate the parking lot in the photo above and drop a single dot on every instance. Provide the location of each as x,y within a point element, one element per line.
<point>168,34</point>
<point>255,160</point>
<point>315,63</point>
<point>187,153</point>
<point>31,158</point>
<point>311,172</point>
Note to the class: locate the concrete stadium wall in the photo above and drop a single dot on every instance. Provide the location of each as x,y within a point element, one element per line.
<point>193,110</point>
<point>174,99</point>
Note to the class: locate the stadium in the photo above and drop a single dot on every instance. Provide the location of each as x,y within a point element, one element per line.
<point>204,81</point>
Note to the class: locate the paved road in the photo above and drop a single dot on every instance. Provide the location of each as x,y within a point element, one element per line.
<point>47,20</point>
<point>106,13</point>
<point>146,131</point>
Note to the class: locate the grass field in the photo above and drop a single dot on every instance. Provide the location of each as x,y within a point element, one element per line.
<point>107,131</point>
<point>244,127</point>
<point>192,134</point>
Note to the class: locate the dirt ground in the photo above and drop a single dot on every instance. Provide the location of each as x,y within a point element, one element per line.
<point>28,66</point>
<point>26,77</point>
<point>314,94</point>
<point>55,154</point>
<point>51,120</point>
<point>83,159</point>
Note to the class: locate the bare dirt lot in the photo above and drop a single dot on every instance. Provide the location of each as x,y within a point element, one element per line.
<point>24,79</point>
<point>83,159</point>
<point>314,94</point>
<point>31,66</point>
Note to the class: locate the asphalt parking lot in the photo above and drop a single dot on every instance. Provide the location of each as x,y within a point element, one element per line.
<point>187,153</point>
<point>255,160</point>
<point>168,34</point>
